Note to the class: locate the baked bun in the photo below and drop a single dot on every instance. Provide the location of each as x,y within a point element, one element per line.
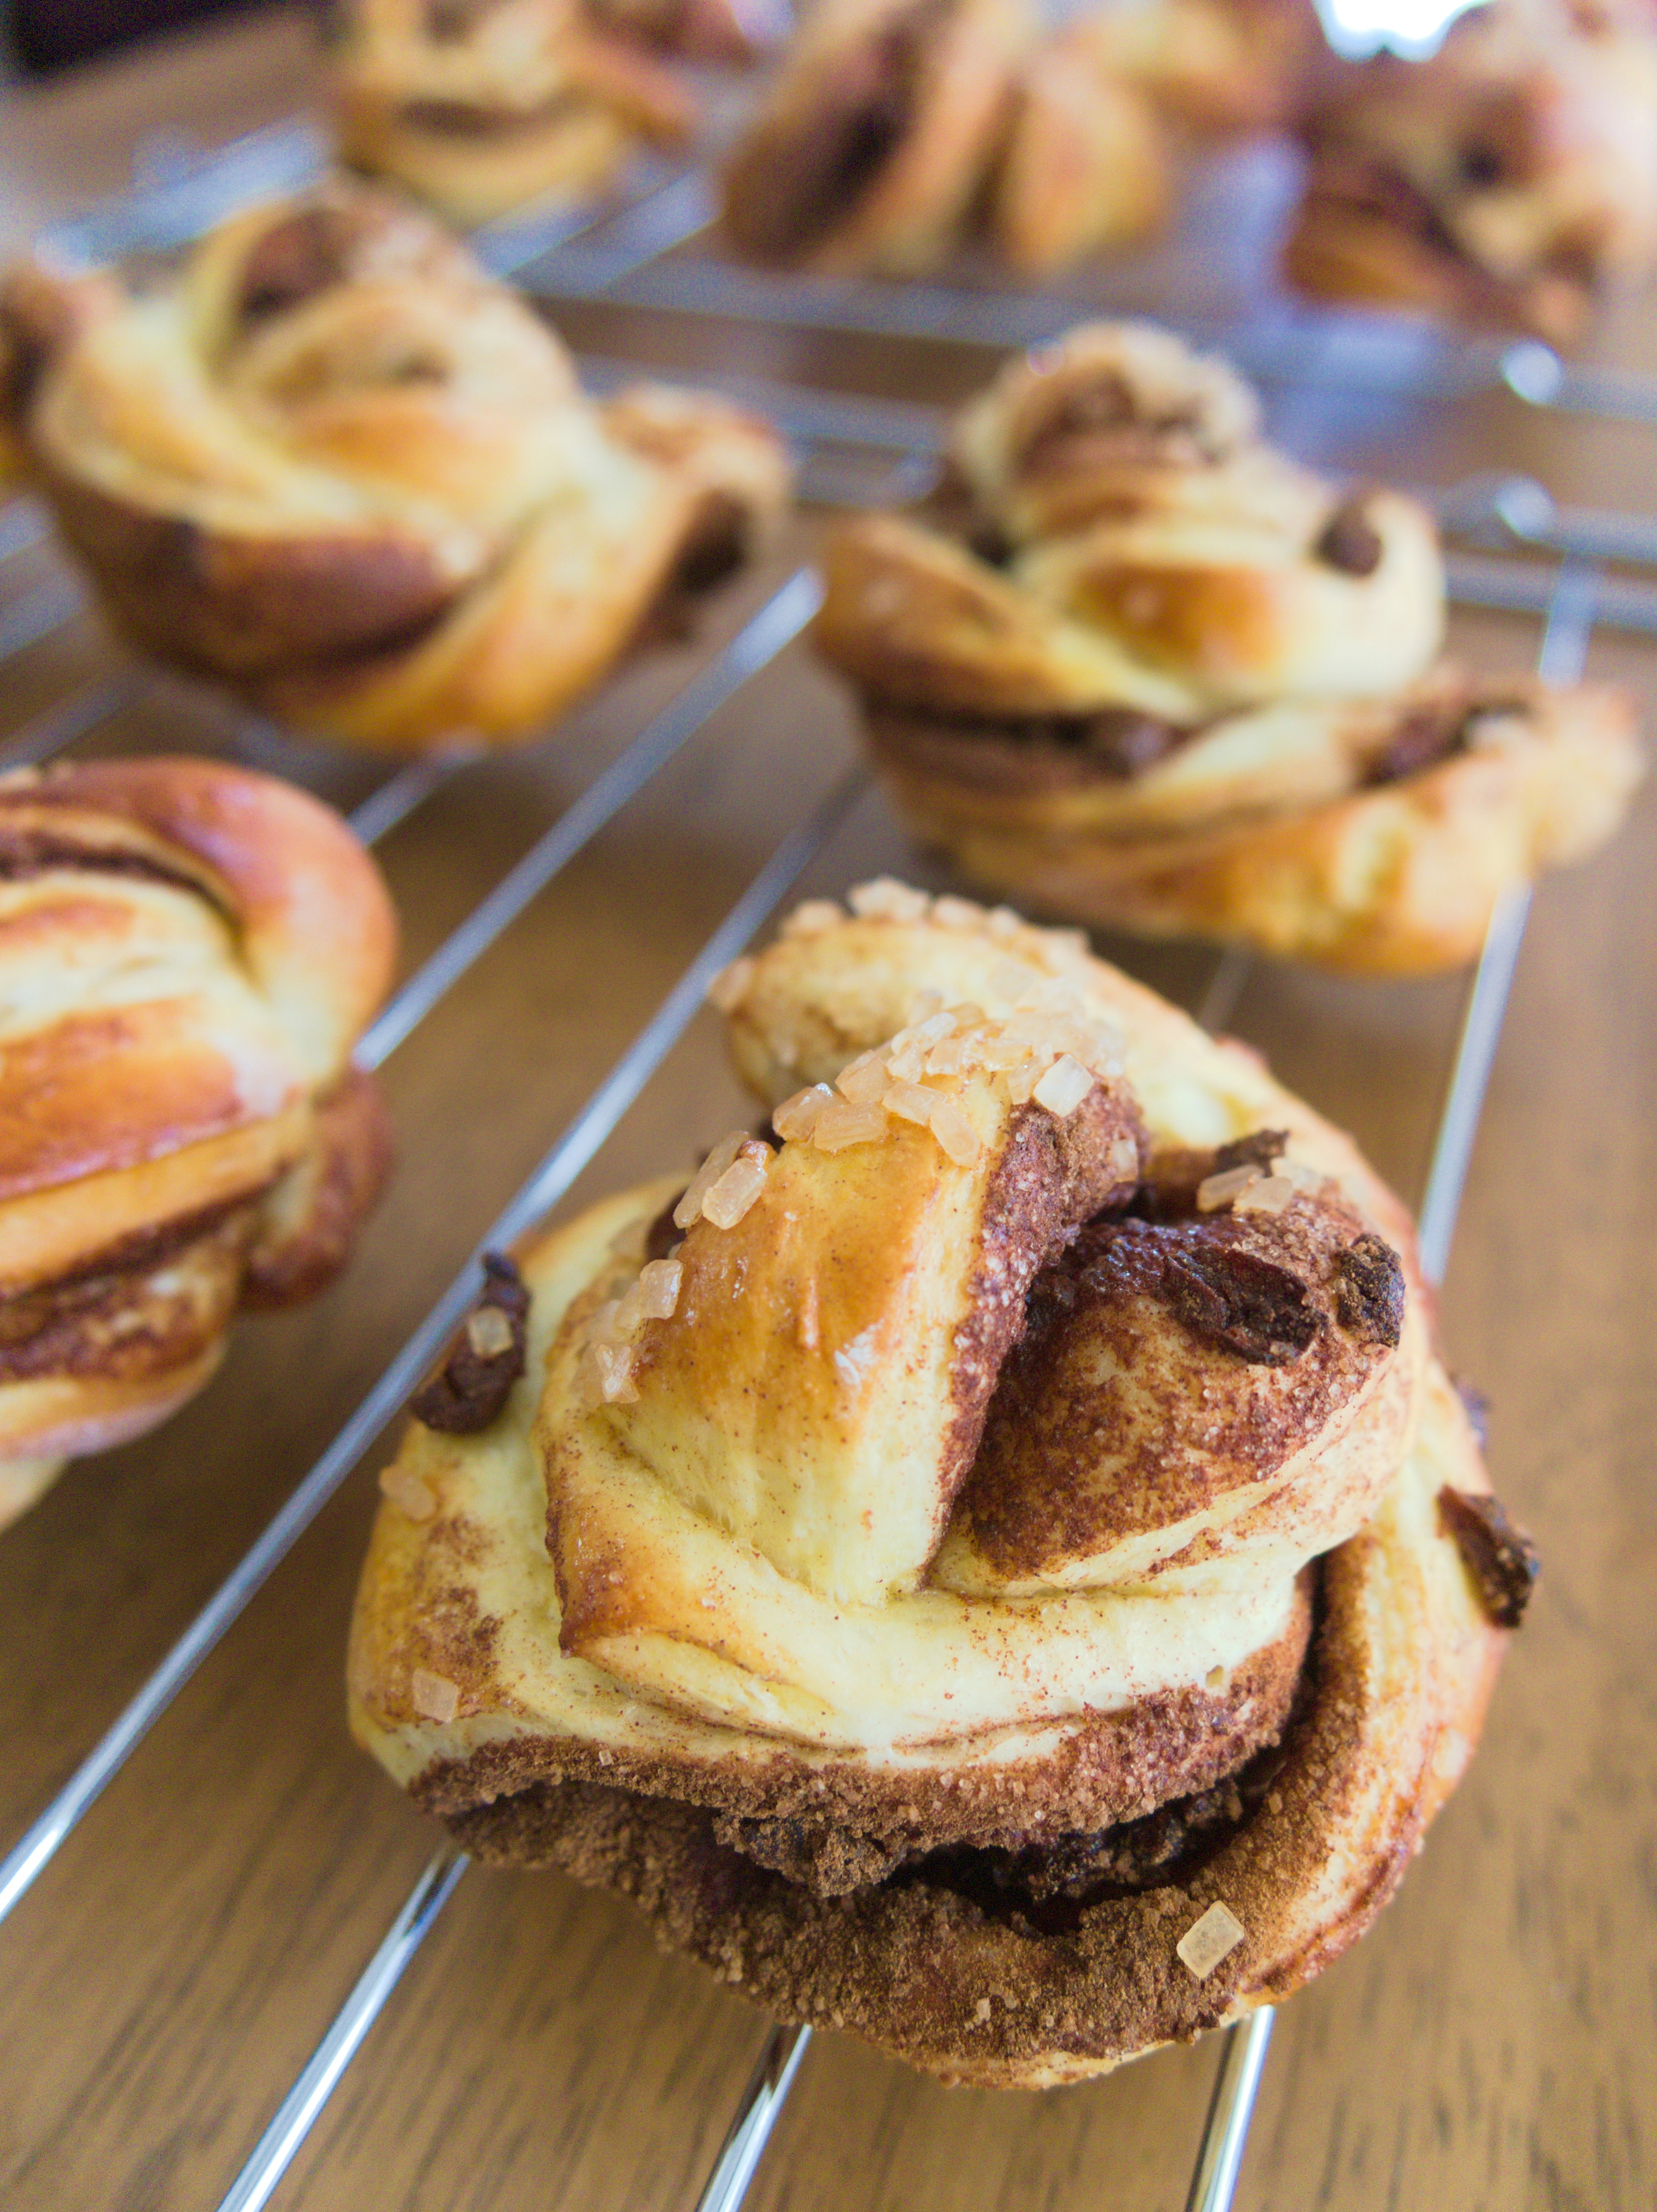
<point>966,1536</point>
<point>1086,165</point>
<point>1136,667</point>
<point>336,466</point>
<point>1509,180</point>
<point>478,106</point>
<point>190,952</point>
<point>871,146</point>
<point>1218,67</point>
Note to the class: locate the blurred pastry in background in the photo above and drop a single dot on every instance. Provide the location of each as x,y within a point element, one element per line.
<point>870,147</point>
<point>334,464</point>
<point>1217,67</point>
<point>1134,666</point>
<point>479,105</point>
<point>189,954</point>
<point>1087,164</point>
<point>1510,179</point>
<point>897,131</point>
<point>731,32</point>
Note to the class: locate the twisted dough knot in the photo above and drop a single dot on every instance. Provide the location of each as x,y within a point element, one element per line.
<point>1510,179</point>
<point>335,465</point>
<point>478,106</point>
<point>1136,665</point>
<point>873,139</point>
<point>189,954</point>
<point>901,128</point>
<point>927,1505</point>
<point>1155,555</point>
<point>897,128</point>
<point>897,131</point>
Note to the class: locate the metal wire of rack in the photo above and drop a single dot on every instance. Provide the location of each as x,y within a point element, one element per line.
<point>565,255</point>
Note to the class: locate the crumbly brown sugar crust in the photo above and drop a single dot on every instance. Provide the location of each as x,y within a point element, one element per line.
<point>987,1998</point>
<point>1115,1766</point>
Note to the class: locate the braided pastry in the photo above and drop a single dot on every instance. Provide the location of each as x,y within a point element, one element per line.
<point>1085,166</point>
<point>1138,668</point>
<point>871,147</point>
<point>336,466</point>
<point>189,954</point>
<point>982,1539</point>
<point>1217,66</point>
<point>898,130</point>
<point>478,106</point>
<point>1510,179</point>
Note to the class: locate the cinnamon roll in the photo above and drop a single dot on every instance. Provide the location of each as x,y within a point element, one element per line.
<point>477,105</point>
<point>334,465</point>
<point>1509,180</point>
<point>1086,166</point>
<point>189,952</point>
<point>1136,667</point>
<point>871,147</point>
<point>1218,67</point>
<point>994,1564</point>
<point>900,131</point>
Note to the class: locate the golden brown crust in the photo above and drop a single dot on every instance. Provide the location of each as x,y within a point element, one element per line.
<point>190,952</point>
<point>1393,878</point>
<point>311,1219</point>
<point>336,466</point>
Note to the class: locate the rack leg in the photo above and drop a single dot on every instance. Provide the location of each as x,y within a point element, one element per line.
<point>756,2116</point>
<point>1225,2133</point>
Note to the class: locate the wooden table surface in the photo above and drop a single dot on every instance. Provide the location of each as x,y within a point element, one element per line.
<point>1492,2043</point>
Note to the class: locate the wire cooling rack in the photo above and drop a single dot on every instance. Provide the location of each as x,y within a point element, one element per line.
<point>630,254</point>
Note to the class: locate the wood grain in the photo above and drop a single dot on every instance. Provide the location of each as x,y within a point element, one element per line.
<point>1490,2045</point>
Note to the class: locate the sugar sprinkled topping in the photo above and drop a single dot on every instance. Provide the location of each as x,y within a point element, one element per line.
<point>796,1117</point>
<point>606,1374</point>
<point>657,1289</point>
<point>1063,1087</point>
<point>812,916</point>
<point>1216,1192</point>
<point>435,1696</point>
<point>887,900</point>
<point>722,1156</point>
<point>1210,1940</point>
<point>845,1121</point>
<point>1036,1033</point>
<point>1270,1194</point>
<point>950,913</point>
<point>954,1133</point>
<point>738,1188</point>
<point>911,1102</point>
<point>409,1491</point>
<point>865,1080</point>
<point>488,1332</point>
